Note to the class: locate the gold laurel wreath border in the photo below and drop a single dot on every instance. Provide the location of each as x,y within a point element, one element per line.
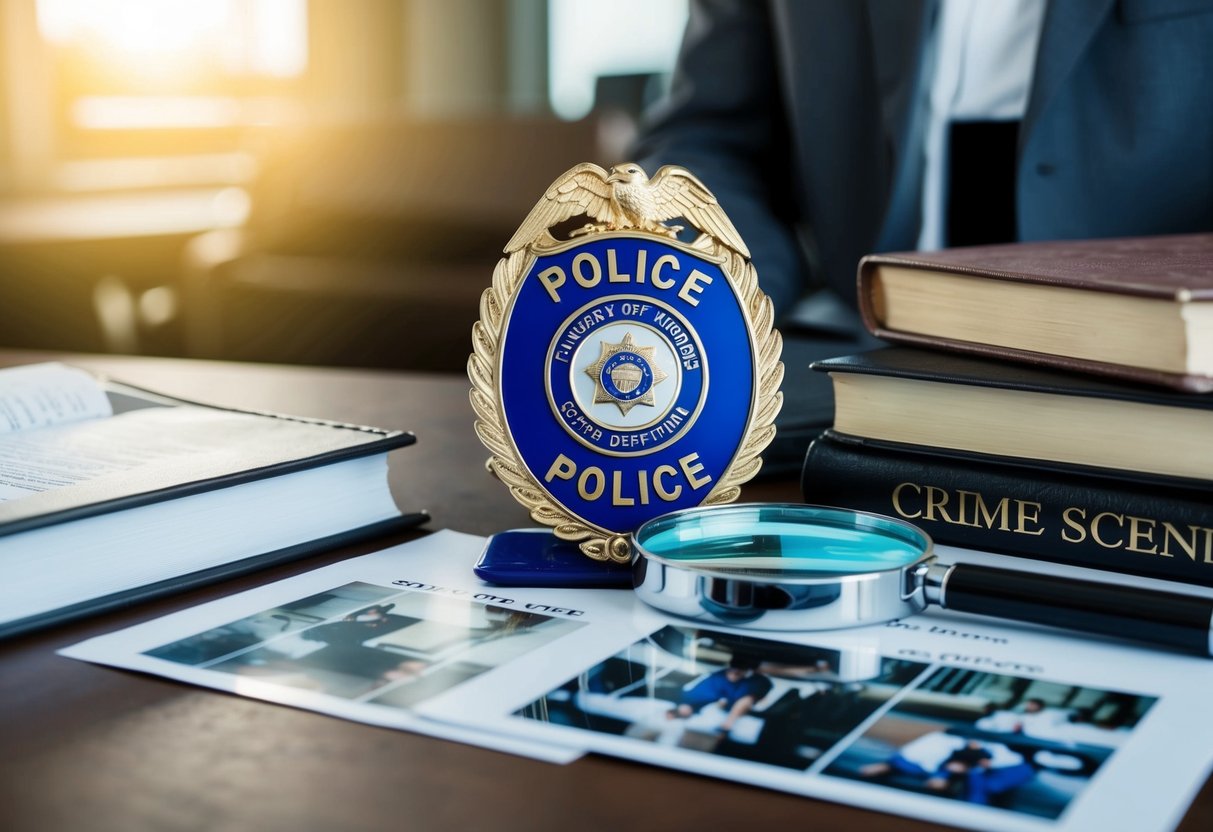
<point>602,544</point>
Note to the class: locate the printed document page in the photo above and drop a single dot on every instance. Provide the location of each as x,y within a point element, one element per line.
<point>949,718</point>
<point>38,395</point>
<point>955,719</point>
<point>34,461</point>
<point>58,429</point>
<point>365,640</point>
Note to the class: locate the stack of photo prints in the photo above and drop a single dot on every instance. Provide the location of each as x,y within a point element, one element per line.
<point>940,716</point>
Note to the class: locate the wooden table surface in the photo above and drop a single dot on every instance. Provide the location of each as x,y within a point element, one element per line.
<point>93,748</point>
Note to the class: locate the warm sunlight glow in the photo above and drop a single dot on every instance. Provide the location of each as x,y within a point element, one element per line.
<point>239,37</point>
<point>132,27</point>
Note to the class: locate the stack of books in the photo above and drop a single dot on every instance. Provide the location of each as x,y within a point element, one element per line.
<point>1052,402</point>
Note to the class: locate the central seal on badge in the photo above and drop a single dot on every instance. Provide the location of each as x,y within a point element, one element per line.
<point>622,387</point>
<point>622,373</point>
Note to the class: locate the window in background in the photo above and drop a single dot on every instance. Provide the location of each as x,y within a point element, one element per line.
<point>610,48</point>
<point>160,92</point>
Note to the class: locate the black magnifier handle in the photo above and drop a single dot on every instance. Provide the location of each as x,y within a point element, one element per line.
<point>1179,621</point>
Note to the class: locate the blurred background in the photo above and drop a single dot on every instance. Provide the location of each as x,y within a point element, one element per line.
<point>306,181</point>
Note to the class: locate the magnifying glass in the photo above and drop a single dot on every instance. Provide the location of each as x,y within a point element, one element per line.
<point>805,567</point>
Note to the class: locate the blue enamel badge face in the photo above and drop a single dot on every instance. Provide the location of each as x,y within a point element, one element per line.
<point>627,377</point>
<point>619,374</point>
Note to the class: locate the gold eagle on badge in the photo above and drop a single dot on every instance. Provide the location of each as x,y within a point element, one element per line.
<point>625,198</point>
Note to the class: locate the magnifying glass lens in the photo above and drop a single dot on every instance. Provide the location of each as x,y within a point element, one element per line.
<point>790,566</point>
<point>800,541</point>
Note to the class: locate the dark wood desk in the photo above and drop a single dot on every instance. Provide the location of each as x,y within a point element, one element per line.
<point>91,748</point>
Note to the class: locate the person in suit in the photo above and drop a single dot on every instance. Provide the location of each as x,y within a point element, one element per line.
<point>825,129</point>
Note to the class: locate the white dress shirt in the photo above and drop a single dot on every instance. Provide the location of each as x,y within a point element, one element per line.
<point>984,54</point>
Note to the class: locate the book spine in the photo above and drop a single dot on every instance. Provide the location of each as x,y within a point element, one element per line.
<point>1148,529</point>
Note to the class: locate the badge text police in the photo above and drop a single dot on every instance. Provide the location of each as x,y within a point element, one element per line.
<point>663,481</point>
<point>587,271</point>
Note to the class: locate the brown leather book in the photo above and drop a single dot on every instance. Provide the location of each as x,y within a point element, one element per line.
<point>1139,309</point>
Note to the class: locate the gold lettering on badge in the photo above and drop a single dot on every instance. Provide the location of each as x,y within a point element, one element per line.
<point>632,250</point>
<point>666,481</point>
<point>664,274</point>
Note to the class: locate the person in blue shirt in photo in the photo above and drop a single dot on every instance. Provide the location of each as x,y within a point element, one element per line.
<point>972,770</point>
<point>736,688</point>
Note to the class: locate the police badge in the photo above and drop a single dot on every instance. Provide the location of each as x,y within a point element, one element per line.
<point>622,374</point>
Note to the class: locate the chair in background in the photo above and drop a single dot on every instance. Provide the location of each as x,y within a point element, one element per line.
<point>370,244</point>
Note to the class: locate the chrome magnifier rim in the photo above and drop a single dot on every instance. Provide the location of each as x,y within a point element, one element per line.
<point>896,583</point>
<point>768,598</point>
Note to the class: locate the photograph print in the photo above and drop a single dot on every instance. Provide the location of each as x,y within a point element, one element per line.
<point>369,643</point>
<point>1016,744</point>
<point>728,695</point>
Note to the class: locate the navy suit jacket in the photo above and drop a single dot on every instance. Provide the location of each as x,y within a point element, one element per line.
<point>802,117</point>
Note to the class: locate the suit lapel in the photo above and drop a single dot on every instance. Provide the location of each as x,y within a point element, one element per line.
<point>900,31</point>
<point>1067,31</point>
<point>896,50</point>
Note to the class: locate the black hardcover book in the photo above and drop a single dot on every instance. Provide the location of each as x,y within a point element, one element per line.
<point>1141,525</point>
<point>954,402</point>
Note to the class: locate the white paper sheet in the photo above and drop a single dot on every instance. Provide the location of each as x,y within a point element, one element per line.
<point>38,395</point>
<point>43,396</point>
<point>996,726</point>
<point>944,717</point>
<point>365,639</point>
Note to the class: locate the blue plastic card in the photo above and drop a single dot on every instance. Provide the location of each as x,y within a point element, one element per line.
<point>536,557</point>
